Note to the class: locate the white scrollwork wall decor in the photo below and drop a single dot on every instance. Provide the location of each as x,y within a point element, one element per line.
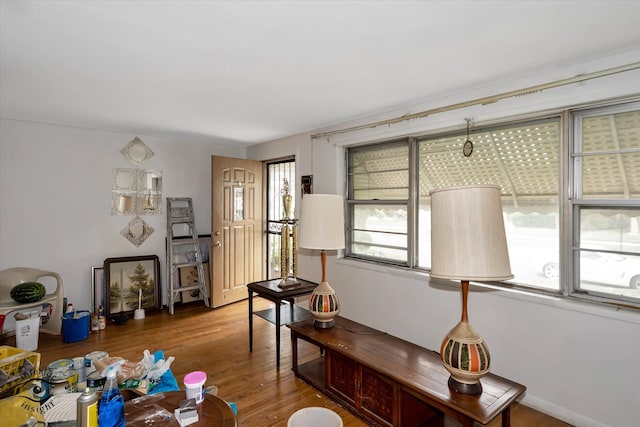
<point>137,231</point>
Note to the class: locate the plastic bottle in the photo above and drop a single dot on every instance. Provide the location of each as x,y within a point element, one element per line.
<point>111,409</point>
<point>87,409</point>
<point>102,320</point>
<point>95,326</point>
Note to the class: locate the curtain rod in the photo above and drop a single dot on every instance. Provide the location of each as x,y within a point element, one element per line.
<point>487,99</point>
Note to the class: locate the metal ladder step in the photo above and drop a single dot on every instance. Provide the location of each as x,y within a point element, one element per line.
<point>185,244</point>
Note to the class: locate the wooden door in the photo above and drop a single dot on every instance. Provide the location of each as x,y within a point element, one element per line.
<point>236,228</point>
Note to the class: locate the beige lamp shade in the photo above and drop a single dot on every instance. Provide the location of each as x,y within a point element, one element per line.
<point>321,222</point>
<point>468,240</point>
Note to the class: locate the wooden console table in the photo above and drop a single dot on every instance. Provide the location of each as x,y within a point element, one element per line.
<point>391,382</point>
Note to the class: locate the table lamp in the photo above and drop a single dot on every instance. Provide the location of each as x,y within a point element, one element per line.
<point>468,243</point>
<point>322,227</point>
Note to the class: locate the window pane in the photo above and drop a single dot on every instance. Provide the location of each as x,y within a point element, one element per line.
<point>611,176</point>
<point>381,185</point>
<point>609,273</point>
<point>379,172</point>
<point>610,144</point>
<point>523,159</point>
<point>532,238</point>
<point>613,229</point>
<point>380,231</point>
<point>615,272</point>
<point>611,132</point>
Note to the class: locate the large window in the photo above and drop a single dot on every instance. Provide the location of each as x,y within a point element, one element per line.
<point>571,207</point>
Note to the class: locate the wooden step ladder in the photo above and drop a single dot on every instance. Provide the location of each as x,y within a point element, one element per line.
<point>183,249</point>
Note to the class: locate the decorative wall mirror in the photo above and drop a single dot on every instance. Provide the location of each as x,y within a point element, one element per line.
<point>150,192</point>
<point>137,231</point>
<point>136,192</point>
<point>137,152</point>
<point>124,180</point>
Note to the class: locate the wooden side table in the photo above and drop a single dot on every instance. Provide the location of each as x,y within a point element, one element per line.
<point>279,314</point>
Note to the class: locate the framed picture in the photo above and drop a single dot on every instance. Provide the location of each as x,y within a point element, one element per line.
<point>130,280</point>
<point>189,276</point>
<point>97,287</point>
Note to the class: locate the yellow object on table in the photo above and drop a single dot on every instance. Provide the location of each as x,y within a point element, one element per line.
<point>17,366</point>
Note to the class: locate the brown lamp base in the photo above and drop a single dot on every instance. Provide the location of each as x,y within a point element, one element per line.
<point>464,388</point>
<point>324,325</point>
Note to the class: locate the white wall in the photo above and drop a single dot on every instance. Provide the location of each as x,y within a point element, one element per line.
<point>55,197</point>
<point>578,361</point>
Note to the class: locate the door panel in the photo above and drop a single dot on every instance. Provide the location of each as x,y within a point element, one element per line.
<point>236,224</point>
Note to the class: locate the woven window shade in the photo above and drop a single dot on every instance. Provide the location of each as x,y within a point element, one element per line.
<point>522,160</point>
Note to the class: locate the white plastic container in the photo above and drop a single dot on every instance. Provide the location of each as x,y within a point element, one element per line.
<point>194,385</point>
<point>314,416</point>
<point>27,333</point>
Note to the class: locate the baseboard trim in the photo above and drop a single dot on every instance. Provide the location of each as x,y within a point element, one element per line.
<point>559,412</point>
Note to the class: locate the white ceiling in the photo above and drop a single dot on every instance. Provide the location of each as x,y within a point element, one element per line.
<point>252,71</point>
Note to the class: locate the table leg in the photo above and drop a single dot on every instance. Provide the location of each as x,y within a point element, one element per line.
<point>294,351</point>
<point>250,321</point>
<point>278,304</point>
<point>506,417</point>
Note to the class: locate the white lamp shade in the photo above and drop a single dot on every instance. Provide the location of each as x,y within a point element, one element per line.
<point>321,222</point>
<point>468,240</point>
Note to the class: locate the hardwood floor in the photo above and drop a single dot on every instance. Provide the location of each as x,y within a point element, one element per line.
<point>217,342</point>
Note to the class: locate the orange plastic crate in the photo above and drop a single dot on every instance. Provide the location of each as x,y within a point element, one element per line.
<point>18,365</point>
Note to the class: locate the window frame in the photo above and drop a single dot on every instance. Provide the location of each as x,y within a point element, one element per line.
<point>352,203</point>
<point>577,203</point>
<point>568,206</point>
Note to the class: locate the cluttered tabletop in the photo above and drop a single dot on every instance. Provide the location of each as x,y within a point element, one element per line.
<point>82,390</point>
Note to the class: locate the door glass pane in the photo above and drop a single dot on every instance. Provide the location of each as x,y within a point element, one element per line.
<point>238,203</point>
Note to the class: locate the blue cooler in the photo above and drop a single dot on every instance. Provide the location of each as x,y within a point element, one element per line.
<point>75,326</point>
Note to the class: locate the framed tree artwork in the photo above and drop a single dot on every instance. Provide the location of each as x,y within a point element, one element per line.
<point>129,280</point>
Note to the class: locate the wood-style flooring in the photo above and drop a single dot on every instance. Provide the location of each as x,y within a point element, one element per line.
<point>217,341</point>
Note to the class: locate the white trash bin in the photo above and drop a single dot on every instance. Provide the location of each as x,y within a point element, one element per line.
<point>27,333</point>
<point>314,416</point>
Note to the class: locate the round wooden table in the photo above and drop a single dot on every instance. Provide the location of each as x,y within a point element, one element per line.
<point>158,409</point>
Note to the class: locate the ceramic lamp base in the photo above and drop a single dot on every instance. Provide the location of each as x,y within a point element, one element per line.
<point>466,356</point>
<point>324,325</point>
<point>324,306</point>
<point>464,388</point>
